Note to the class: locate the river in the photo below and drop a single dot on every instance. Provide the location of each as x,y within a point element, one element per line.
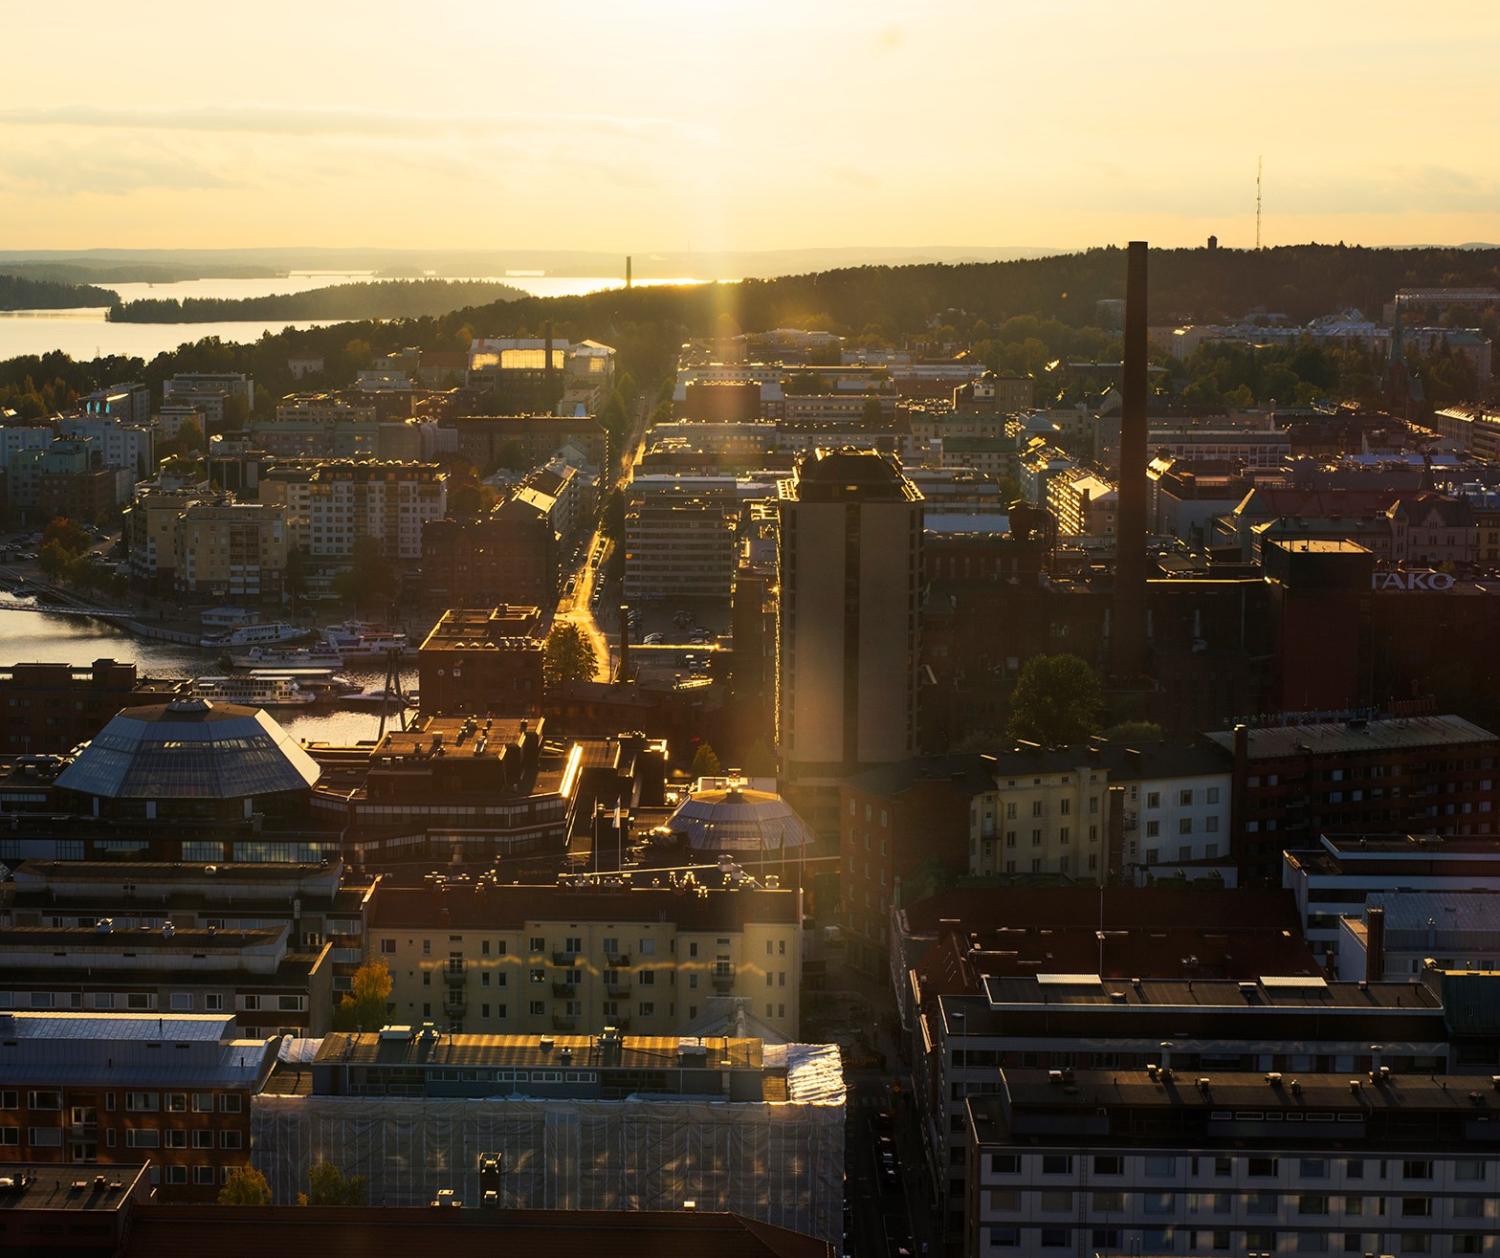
<point>85,333</point>
<point>28,637</point>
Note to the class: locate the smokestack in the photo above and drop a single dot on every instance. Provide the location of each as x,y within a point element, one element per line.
<point>627,270</point>
<point>623,676</point>
<point>1128,635</point>
<point>1374,945</point>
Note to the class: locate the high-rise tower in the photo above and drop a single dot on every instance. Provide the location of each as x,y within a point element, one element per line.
<point>849,560</point>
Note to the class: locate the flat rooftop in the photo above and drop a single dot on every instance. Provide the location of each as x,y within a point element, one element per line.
<point>1396,734</point>
<point>1270,992</point>
<point>498,906</point>
<point>637,1052</point>
<point>85,1187</point>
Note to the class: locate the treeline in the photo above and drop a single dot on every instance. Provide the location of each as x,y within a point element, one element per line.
<point>20,292</point>
<point>1017,316</point>
<point>386,299</point>
<point>132,272</point>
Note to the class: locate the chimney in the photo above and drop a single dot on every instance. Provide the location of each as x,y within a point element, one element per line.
<point>623,676</point>
<point>1374,945</point>
<point>627,270</point>
<point>1128,636</point>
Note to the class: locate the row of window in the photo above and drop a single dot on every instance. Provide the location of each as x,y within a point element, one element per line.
<point>135,1102</point>
<point>1306,1205</point>
<point>1167,1240</point>
<point>144,1002</point>
<point>1164,1166</point>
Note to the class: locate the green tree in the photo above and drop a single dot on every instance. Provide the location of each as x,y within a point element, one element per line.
<point>368,580</point>
<point>363,1009</point>
<point>567,657</point>
<point>328,1186</point>
<point>188,440</point>
<point>245,1186</point>
<point>1135,733</point>
<point>295,578</point>
<point>1057,700</point>
<point>705,763</point>
<point>760,760</point>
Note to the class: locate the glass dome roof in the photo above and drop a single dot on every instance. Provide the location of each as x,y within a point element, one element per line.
<point>190,749</point>
<point>739,820</point>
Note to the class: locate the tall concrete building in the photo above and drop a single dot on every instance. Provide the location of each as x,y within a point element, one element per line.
<point>849,558</point>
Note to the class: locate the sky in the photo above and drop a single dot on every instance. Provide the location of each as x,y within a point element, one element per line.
<point>705,125</point>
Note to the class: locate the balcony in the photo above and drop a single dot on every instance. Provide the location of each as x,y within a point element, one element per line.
<point>454,976</point>
<point>723,980</point>
<point>568,991</point>
<point>455,1004</point>
<point>617,959</point>
<point>568,959</point>
<point>564,1021</point>
<point>617,987</point>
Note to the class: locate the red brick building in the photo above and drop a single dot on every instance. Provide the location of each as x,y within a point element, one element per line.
<point>51,708</point>
<point>482,662</point>
<point>121,1088</point>
<point>1400,775</point>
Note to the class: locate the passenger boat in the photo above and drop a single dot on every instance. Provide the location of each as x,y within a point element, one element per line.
<point>356,640</point>
<point>266,633</point>
<point>254,691</point>
<point>285,657</point>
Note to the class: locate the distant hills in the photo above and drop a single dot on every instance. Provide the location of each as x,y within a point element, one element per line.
<point>382,299</point>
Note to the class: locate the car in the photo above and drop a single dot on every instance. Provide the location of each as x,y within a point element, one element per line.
<point>653,639</point>
<point>571,586</point>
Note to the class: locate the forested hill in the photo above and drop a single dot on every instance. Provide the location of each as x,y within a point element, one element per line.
<point>386,299</point>
<point>17,292</point>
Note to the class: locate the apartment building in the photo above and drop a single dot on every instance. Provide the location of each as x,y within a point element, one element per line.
<point>1161,1161</point>
<point>508,555</point>
<point>578,1123</point>
<point>52,708</point>
<point>121,1088</point>
<point>120,446</point>
<point>316,903</point>
<point>235,551</point>
<point>1293,1024</point>
<point>332,504</point>
<point>151,526</point>
<point>513,960</point>
<point>257,975</point>
<point>1083,504</point>
<point>1045,814</point>
<point>681,536</point>
<point>482,660</point>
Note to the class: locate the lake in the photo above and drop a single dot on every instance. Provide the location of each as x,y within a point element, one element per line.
<point>85,333</point>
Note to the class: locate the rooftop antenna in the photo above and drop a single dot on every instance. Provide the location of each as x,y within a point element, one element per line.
<point>1260,165</point>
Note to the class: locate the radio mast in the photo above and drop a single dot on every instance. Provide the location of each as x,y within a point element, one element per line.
<point>1259,167</point>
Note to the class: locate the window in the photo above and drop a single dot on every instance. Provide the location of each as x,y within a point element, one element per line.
<point>203,1139</point>
<point>177,1102</point>
<point>182,1002</point>
<point>45,1100</point>
<point>538,944</point>
<point>537,1008</point>
<point>1313,1168</point>
<point>142,1138</point>
<point>203,1102</point>
<point>1057,1164</point>
<point>230,1139</point>
<point>177,1174</point>
<point>1468,1169</point>
<point>1055,1238</point>
<point>141,1102</point>
<point>1416,1169</point>
<point>176,1139</point>
<point>1005,1237</point>
<point>1307,1204</point>
<point>648,947</point>
<point>1153,829</point>
<point>214,1002</point>
<point>1185,798</point>
<point>1416,1207</point>
<point>229,1103</point>
<point>1057,1202</point>
<point>1005,1164</point>
<point>1108,1202</point>
<point>1261,1168</point>
<point>1158,1202</point>
<point>252,1004</point>
<point>1354,1168</point>
<point>1159,1167</point>
<point>1106,1238</point>
<point>1213,794</point>
<point>538,976</point>
<point>1108,1164</point>
<point>10,1135</point>
<point>203,1175</point>
<point>1004,1200</point>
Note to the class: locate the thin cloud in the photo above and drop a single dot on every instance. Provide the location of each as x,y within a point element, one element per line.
<point>317,122</point>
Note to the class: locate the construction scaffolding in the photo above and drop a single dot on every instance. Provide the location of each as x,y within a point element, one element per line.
<point>781,1162</point>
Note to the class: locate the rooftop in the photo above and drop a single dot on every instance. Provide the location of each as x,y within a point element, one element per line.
<point>358,1232</point>
<point>85,1188</point>
<point>1352,737</point>
<point>190,748</point>
<point>1278,992</point>
<point>496,906</point>
<point>637,1052</point>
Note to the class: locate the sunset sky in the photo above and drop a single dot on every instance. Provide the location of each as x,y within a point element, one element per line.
<point>703,125</point>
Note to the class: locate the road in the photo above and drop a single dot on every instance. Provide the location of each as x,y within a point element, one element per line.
<point>577,608</point>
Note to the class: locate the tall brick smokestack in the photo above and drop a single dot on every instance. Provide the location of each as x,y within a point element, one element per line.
<point>1128,618</point>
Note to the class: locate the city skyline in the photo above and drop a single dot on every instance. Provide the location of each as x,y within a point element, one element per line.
<point>669,127</point>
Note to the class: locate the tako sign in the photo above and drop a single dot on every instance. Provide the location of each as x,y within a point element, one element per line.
<point>1424,580</point>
